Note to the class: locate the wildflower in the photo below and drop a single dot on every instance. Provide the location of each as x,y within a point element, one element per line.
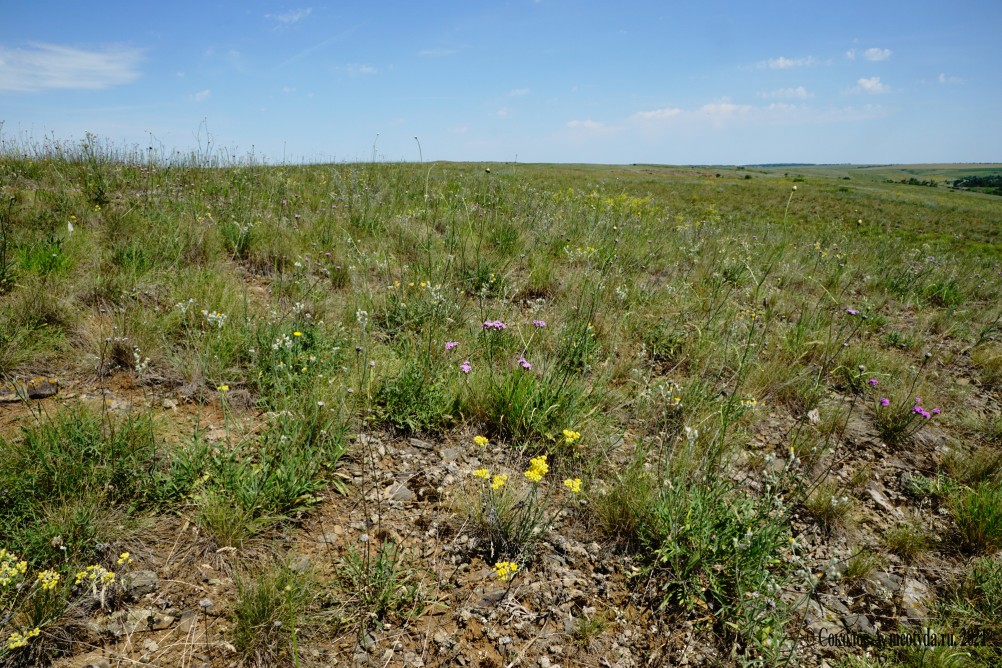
<point>872,382</point>
<point>18,640</point>
<point>539,324</point>
<point>573,484</point>
<point>481,441</point>
<point>449,345</point>
<point>571,436</point>
<point>10,567</point>
<point>749,403</point>
<point>537,468</point>
<point>482,473</point>
<point>505,570</point>
<point>297,333</point>
<point>223,388</point>
<point>884,401</point>
<point>465,367</point>
<point>48,580</point>
<point>524,363</point>
<point>852,311</point>
<point>124,559</point>
<point>935,411</point>
<point>494,325</point>
<point>498,481</point>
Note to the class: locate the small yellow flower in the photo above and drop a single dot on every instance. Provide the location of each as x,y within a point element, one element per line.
<point>17,640</point>
<point>573,484</point>
<point>571,436</point>
<point>481,441</point>
<point>482,473</point>
<point>499,481</point>
<point>124,559</point>
<point>537,468</point>
<point>48,580</point>
<point>505,570</point>
<point>297,333</point>
<point>223,388</point>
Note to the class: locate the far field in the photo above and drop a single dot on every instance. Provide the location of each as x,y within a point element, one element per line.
<point>497,415</point>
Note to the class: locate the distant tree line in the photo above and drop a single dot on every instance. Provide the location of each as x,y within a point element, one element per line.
<point>991,184</point>
<point>915,182</point>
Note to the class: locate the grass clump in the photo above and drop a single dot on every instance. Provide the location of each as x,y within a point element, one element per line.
<point>977,512</point>
<point>274,608</point>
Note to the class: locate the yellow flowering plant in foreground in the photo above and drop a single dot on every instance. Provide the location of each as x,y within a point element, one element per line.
<point>511,513</point>
<point>29,604</point>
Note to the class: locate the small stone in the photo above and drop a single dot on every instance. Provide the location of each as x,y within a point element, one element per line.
<point>169,405</point>
<point>418,443</point>
<point>400,492</point>
<point>914,599</point>
<point>139,583</point>
<point>859,624</point>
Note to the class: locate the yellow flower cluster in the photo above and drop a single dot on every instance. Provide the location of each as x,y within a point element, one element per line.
<point>481,441</point>
<point>750,403</point>
<point>498,481</point>
<point>10,568</point>
<point>537,468</point>
<point>573,484</point>
<point>17,640</point>
<point>482,473</point>
<point>571,436</point>
<point>95,574</point>
<point>506,570</point>
<point>48,580</point>
<point>124,559</point>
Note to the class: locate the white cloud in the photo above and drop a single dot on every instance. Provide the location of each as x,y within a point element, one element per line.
<point>871,85</point>
<point>783,63</point>
<point>656,114</point>
<point>798,93</point>
<point>587,124</point>
<point>944,79</point>
<point>877,54</point>
<point>851,54</point>
<point>201,95</point>
<point>519,92</point>
<point>724,108</point>
<point>51,66</point>
<point>503,112</point>
<point>290,17</point>
<point>358,70</point>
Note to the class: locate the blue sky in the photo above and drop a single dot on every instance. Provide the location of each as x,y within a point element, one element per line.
<point>691,82</point>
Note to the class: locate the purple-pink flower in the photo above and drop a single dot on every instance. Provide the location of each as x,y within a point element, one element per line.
<point>449,345</point>
<point>539,324</point>
<point>884,401</point>
<point>852,311</point>
<point>524,363</point>
<point>935,411</point>
<point>872,382</point>
<point>465,367</point>
<point>495,325</point>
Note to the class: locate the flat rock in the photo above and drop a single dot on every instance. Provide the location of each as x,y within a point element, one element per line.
<point>33,388</point>
<point>398,491</point>
<point>139,583</point>
<point>915,599</point>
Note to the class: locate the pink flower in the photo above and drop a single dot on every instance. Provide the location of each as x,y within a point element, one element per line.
<point>852,311</point>
<point>872,382</point>
<point>495,325</point>
<point>465,367</point>
<point>935,411</point>
<point>524,363</point>
<point>885,401</point>
<point>539,324</point>
<point>449,345</point>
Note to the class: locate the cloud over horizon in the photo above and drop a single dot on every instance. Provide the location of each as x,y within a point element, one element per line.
<point>44,66</point>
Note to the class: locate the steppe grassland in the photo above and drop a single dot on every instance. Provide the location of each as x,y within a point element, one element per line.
<point>667,358</point>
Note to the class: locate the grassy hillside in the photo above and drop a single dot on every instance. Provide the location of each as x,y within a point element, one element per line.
<point>376,412</point>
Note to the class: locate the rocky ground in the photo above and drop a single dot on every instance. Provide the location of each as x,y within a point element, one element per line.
<point>579,603</point>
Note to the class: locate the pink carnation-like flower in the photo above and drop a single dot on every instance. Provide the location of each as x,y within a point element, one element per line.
<point>539,324</point>
<point>885,401</point>
<point>524,363</point>
<point>449,345</point>
<point>872,382</point>
<point>465,367</point>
